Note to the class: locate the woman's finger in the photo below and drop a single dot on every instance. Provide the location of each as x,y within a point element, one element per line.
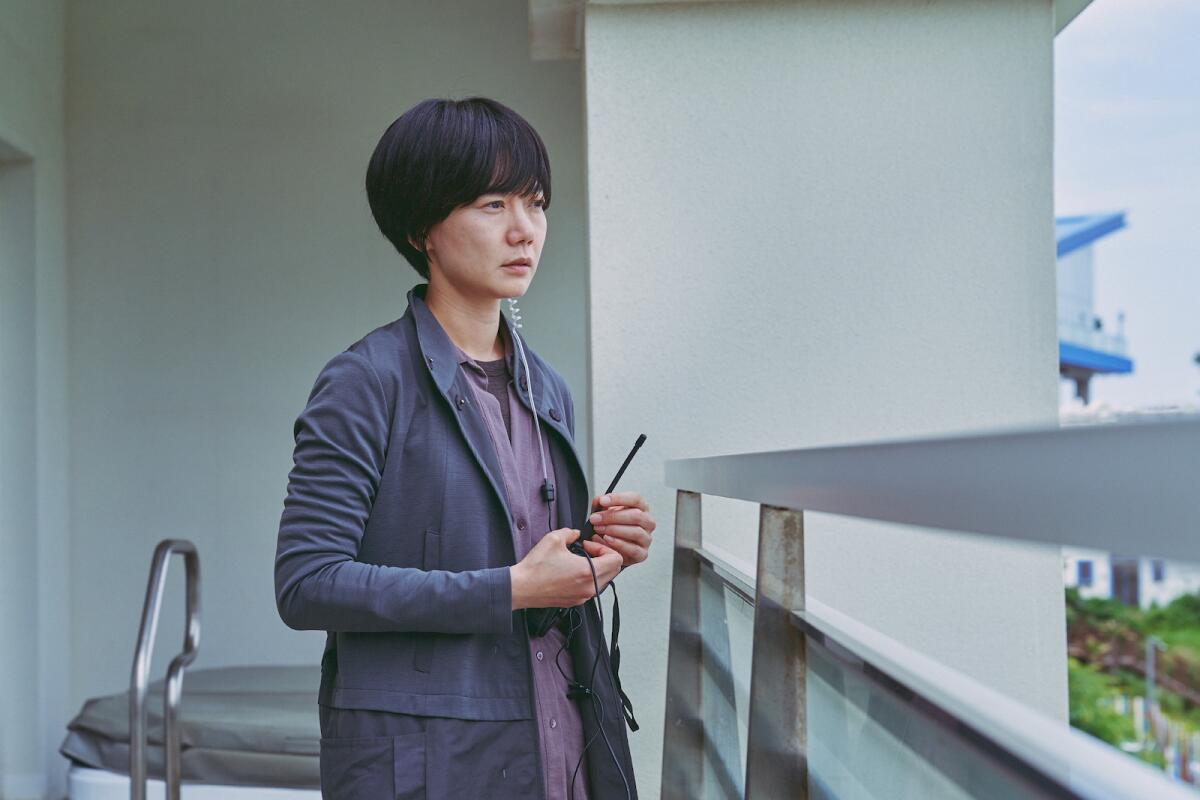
<point>623,499</point>
<point>596,547</point>
<point>630,552</point>
<point>624,516</point>
<point>629,533</point>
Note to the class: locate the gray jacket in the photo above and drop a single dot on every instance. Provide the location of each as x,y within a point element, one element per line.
<point>396,539</point>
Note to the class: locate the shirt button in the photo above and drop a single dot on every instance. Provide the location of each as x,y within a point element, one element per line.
<point>553,723</point>
<point>524,383</point>
<point>554,415</point>
<point>539,655</point>
<point>520,524</point>
<point>462,401</point>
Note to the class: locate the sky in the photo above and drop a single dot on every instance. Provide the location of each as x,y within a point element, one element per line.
<point>1127,138</point>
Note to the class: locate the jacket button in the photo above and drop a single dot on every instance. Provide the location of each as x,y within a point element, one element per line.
<point>554,415</point>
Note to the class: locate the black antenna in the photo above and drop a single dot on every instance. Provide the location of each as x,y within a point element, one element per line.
<point>586,531</point>
<point>636,446</point>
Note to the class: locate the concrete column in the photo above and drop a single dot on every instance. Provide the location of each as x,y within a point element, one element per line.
<point>818,223</point>
<point>34,540</point>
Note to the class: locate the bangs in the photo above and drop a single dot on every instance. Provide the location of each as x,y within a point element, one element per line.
<point>503,156</point>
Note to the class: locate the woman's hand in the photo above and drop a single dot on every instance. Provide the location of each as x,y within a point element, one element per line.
<point>624,524</point>
<point>551,576</point>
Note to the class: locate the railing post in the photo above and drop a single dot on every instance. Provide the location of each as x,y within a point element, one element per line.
<point>683,734</point>
<point>776,759</point>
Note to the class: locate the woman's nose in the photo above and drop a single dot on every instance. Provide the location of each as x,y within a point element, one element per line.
<point>522,226</point>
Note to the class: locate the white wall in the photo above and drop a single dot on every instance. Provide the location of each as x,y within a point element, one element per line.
<point>815,223</point>
<point>1178,578</point>
<point>223,251</point>
<point>34,628</point>
<point>1101,571</point>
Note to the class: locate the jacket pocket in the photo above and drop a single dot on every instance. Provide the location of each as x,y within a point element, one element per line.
<point>373,768</point>
<point>423,650</point>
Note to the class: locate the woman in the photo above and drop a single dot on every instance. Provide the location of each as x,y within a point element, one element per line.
<point>434,492</point>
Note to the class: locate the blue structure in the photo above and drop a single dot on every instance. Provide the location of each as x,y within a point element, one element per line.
<point>1085,348</point>
<point>1073,233</point>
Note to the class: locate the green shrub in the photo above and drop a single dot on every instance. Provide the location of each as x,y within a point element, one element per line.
<point>1091,697</point>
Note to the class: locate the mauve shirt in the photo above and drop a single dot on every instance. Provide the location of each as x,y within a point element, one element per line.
<point>510,424</point>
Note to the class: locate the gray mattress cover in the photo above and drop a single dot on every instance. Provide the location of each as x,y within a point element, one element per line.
<point>243,726</point>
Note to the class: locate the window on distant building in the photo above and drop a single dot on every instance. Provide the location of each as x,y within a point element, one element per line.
<point>1084,574</point>
<point>1158,570</point>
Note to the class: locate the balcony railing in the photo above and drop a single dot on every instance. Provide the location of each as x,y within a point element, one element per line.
<point>1084,333</point>
<point>826,707</point>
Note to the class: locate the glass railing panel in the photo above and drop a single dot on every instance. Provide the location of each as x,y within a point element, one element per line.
<point>727,634</point>
<point>887,721</point>
<point>884,721</point>
<point>870,738</point>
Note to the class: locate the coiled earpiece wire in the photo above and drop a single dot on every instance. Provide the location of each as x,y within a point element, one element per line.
<point>547,486</point>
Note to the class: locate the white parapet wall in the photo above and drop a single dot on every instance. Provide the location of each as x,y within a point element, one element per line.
<point>817,223</point>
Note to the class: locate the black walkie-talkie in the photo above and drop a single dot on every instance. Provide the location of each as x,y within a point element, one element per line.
<point>540,620</point>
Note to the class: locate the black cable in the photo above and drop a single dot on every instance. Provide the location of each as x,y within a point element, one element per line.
<point>596,701</point>
<point>576,623</point>
<point>576,619</point>
<point>592,692</point>
<point>597,704</point>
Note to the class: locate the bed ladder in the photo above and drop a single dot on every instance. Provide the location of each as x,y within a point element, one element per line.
<point>141,667</point>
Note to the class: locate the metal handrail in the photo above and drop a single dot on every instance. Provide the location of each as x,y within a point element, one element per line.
<point>174,682</point>
<point>1080,486</point>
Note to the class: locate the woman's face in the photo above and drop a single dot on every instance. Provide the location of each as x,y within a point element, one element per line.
<point>470,248</point>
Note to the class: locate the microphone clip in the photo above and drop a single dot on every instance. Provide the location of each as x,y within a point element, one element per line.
<point>578,690</point>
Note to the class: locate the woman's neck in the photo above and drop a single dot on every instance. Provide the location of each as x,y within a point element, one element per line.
<point>471,324</point>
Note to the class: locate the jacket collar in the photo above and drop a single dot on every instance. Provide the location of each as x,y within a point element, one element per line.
<point>442,356</point>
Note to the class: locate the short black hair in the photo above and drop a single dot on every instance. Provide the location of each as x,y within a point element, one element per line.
<point>442,154</point>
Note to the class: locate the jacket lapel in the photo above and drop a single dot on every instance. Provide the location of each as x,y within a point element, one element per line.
<point>441,359</point>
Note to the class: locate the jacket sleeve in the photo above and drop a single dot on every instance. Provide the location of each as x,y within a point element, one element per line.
<point>341,442</point>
